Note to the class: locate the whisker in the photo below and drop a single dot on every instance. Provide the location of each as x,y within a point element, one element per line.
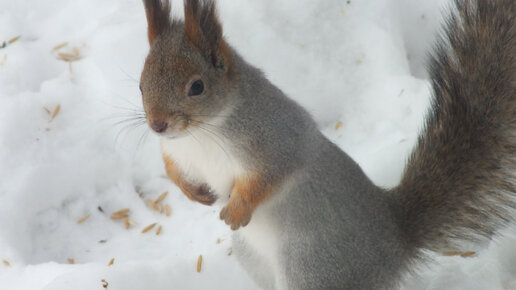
<point>211,115</point>
<point>213,134</point>
<point>131,78</point>
<point>191,134</point>
<point>141,140</point>
<point>197,122</point>
<point>130,121</point>
<point>129,126</point>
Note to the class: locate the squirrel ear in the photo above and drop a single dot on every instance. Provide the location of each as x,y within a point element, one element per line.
<point>205,32</point>
<point>158,17</point>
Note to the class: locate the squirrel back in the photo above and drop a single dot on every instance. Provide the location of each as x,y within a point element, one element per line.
<point>305,215</point>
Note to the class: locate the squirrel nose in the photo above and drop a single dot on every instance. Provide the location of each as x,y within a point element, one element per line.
<point>158,126</point>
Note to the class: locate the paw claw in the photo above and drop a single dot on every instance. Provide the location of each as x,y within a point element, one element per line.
<point>236,216</point>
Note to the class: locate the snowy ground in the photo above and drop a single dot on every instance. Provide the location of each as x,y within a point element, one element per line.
<point>68,149</point>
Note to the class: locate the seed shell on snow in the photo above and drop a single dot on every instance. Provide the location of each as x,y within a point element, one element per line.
<point>338,125</point>
<point>84,218</point>
<point>161,197</point>
<point>158,231</point>
<point>467,254</point>
<point>119,217</point>
<point>3,60</point>
<point>55,112</point>
<point>148,228</point>
<point>199,264</point>
<point>14,39</point>
<point>122,211</point>
<point>153,205</point>
<point>59,46</point>
<point>129,222</point>
<point>121,214</point>
<point>111,261</point>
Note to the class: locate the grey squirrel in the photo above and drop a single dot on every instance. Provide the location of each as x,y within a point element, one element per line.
<point>305,215</point>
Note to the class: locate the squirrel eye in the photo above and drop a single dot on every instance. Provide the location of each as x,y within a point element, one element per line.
<point>196,89</point>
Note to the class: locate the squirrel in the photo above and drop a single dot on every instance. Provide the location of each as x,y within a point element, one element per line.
<point>304,214</point>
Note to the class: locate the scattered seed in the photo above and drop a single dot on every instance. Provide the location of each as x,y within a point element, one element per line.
<point>148,228</point>
<point>338,125</point>
<point>71,261</point>
<point>6,263</point>
<point>451,253</point>
<point>129,222</point>
<point>119,216</point>
<point>158,231</point>
<point>152,204</point>
<point>103,241</point>
<point>84,218</point>
<point>68,56</point>
<point>168,210</point>
<point>199,264</point>
<point>100,208</point>
<point>457,253</point>
<point>111,261</point>
<point>47,110</point>
<point>161,197</point>
<point>56,111</point>
<point>230,251</point>
<point>467,254</point>
<point>14,39</point>
<point>219,240</point>
<point>122,211</point>
<point>59,46</point>
<point>105,284</point>
<point>4,59</point>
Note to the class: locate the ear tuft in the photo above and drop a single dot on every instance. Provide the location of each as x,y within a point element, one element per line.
<point>205,32</point>
<point>158,17</point>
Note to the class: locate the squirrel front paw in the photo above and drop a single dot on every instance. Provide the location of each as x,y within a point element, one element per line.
<point>203,194</point>
<point>237,213</point>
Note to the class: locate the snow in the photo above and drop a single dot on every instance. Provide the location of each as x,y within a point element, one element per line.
<point>360,63</point>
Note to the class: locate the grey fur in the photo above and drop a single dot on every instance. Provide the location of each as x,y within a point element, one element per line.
<point>461,178</point>
<point>335,228</point>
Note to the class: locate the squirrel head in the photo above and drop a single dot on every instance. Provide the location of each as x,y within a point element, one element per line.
<point>186,76</point>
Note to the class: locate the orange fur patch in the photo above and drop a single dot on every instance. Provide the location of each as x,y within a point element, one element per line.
<point>192,23</point>
<point>247,194</point>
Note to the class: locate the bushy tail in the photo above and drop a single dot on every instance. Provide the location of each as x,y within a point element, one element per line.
<point>460,182</point>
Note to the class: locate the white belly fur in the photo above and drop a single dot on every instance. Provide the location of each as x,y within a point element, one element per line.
<point>205,158</point>
<point>262,234</point>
